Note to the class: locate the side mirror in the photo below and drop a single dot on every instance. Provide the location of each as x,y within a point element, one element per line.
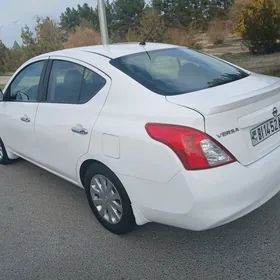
<point>21,96</point>
<point>1,95</point>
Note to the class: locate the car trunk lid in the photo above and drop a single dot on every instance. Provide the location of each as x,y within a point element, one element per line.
<point>241,115</point>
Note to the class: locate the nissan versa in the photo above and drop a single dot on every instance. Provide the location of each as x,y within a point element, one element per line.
<point>152,132</point>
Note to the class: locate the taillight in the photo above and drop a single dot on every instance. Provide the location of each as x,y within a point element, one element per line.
<point>195,149</point>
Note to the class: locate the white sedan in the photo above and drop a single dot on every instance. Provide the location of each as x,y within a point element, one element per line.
<point>153,132</point>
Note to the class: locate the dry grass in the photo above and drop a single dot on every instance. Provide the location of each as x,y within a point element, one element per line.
<point>83,36</point>
<point>218,31</point>
<point>264,64</point>
<point>185,37</point>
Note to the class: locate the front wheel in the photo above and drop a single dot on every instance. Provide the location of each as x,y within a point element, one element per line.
<point>4,159</point>
<point>108,199</point>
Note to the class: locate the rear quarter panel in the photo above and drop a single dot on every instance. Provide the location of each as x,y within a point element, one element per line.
<point>128,108</point>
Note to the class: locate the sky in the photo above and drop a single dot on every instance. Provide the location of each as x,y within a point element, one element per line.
<point>16,13</point>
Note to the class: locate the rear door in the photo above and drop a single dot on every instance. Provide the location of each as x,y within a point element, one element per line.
<point>18,110</point>
<point>75,95</point>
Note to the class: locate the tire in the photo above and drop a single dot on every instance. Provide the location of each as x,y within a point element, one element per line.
<point>107,212</point>
<point>4,159</point>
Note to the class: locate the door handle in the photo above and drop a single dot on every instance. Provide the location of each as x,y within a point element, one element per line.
<point>80,130</point>
<point>25,119</point>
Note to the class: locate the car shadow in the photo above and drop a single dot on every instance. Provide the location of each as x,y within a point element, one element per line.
<point>248,226</point>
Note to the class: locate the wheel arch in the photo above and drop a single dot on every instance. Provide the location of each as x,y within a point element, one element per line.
<point>10,155</point>
<point>140,219</point>
<point>85,165</point>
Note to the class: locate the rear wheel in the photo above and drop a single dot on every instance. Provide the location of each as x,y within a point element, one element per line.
<point>108,199</point>
<point>4,159</point>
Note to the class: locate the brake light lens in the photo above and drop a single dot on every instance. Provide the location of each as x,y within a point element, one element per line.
<point>195,149</point>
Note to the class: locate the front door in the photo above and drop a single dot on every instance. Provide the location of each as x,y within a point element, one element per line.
<point>18,110</point>
<point>74,98</point>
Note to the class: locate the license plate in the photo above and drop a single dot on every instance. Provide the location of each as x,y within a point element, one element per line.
<point>265,130</point>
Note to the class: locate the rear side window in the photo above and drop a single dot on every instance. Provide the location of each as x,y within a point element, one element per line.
<point>177,70</point>
<point>92,84</point>
<point>72,83</point>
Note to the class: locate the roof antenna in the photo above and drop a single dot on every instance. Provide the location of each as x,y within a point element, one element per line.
<point>143,43</point>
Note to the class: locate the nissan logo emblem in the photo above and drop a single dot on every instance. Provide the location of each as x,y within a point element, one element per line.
<point>275,112</point>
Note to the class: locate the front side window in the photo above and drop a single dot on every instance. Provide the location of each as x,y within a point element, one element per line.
<point>25,86</point>
<point>72,83</point>
<point>177,70</point>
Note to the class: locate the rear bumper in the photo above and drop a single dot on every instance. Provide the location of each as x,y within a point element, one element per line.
<point>199,200</point>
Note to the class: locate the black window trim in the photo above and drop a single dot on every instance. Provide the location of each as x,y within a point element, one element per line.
<point>64,57</point>
<point>44,94</point>
<point>40,86</point>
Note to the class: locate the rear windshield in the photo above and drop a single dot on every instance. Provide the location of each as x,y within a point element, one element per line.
<point>177,70</point>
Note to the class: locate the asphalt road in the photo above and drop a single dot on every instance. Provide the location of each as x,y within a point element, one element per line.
<point>48,232</point>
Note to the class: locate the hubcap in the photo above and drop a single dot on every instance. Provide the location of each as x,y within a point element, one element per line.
<point>1,153</point>
<point>106,199</point>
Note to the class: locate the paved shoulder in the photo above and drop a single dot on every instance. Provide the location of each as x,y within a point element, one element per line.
<point>4,79</point>
<point>48,232</point>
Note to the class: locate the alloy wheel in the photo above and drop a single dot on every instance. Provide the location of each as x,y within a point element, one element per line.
<point>106,199</point>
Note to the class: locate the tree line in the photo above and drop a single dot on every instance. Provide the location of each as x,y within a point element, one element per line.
<point>171,21</point>
<point>124,15</point>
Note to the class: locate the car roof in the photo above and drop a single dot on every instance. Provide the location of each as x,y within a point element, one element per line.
<point>112,51</point>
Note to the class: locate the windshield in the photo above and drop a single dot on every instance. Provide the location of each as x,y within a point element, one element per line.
<point>177,70</point>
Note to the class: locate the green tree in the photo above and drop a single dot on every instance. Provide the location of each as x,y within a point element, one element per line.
<point>220,8</point>
<point>261,26</point>
<point>166,8</point>
<point>27,37</point>
<point>70,19</point>
<point>179,13</point>
<point>182,12</point>
<point>16,47</point>
<point>4,58</point>
<point>152,26</point>
<point>47,36</point>
<point>15,57</point>
<point>85,16</point>
<point>126,15</point>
